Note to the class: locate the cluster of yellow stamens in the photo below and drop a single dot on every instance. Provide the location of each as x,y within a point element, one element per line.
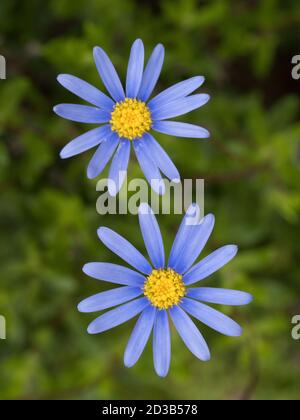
<point>131,118</point>
<point>164,288</point>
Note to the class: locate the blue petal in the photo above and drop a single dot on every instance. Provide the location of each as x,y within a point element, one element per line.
<point>108,74</point>
<point>86,141</point>
<point>135,69</point>
<point>82,113</point>
<point>148,166</point>
<point>109,299</point>
<point>113,273</point>
<point>139,336</point>
<point>176,91</point>
<point>190,240</point>
<point>209,316</point>
<point>179,107</point>
<point>184,232</point>
<point>120,246</point>
<point>189,333</point>
<point>220,296</point>
<point>210,264</point>
<point>117,316</point>
<point>161,344</point>
<point>180,129</point>
<point>161,159</point>
<point>152,72</point>
<point>102,155</point>
<point>86,91</point>
<point>152,236</point>
<point>118,167</point>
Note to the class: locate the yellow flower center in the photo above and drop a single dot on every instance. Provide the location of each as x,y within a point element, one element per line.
<point>164,288</point>
<point>130,118</point>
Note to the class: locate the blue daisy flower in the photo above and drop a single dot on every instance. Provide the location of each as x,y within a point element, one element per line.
<point>128,116</point>
<point>160,289</point>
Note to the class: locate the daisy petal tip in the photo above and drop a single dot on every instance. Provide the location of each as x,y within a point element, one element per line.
<point>234,249</point>
<point>159,188</point>
<point>90,173</point>
<point>205,134</point>
<point>64,153</point>
<point>139,42</point>
<point>127,365</point>
<point>162,374</point>
<point>86,268</point>
<point>127,362</point>
<point>91,329</point>
<point>193,209</point>
<point>112,189</point>
<point>160,49</point>
<point>201,80</point>
<point>207,98</point>
<point>61,78</point>
<point>176,180</point>
<point>206,358</point>
<point>210,218</point>
<point>248,298</point>
<point>80,307</point>
<point>97,50</point>
<point>101,232</point>
<point>238,332</point>
<point>144,208</point>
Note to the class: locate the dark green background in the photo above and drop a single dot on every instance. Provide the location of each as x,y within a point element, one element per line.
<point>47,206</point>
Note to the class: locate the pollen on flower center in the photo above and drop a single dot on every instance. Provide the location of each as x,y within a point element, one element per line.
<point>164,288</point>
<point>131,118</point>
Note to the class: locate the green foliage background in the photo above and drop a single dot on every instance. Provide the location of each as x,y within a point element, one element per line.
<point>47,207</point>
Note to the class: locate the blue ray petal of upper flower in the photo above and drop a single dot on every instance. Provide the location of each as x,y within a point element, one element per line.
<point>108,74</point>
<point>151,235</point>
<point>109,298</point>
<point>113,273</point>
<point>118,167</point>
<point>219,296</point>
<point>210,264</point>
<point>85,141</point>
<point>117,316</point>
<point>190,334</point>
<point>180,106</point>
<point>161,344</point>
<point>86,91</point>
<point>139,336</point>
<point>161,158</point>
<point>152,72</point>
<point>180,129</point>
<point>148,166</point>
<point>102,155</point>
<point>135,69</point>
<point>82,113</point>
<point>124,249</point>
<point>211,317</point>
<point>179,90</point>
